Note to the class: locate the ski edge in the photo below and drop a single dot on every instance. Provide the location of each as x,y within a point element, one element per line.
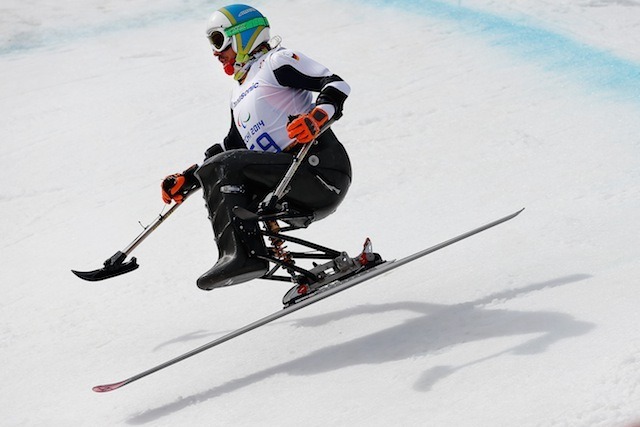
<point>393,264</point>
<point>453,240</point>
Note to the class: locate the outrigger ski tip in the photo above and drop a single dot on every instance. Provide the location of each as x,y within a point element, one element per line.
<point>114,266</point>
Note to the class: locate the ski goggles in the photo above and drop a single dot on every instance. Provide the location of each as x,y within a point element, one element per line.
<point>221,38</point>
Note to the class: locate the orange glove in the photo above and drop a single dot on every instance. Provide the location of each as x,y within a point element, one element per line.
<point>306,128</point>
<point>176,187</point>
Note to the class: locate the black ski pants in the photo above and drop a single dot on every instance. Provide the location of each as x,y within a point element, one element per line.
<point>318,187</point>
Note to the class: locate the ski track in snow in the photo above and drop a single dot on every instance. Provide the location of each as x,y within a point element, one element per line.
<point>461,111</point>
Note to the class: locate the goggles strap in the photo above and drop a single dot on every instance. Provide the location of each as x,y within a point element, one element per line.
<point>247,25</point>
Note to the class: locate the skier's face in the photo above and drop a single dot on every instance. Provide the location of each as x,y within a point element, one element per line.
<point>227,58</point>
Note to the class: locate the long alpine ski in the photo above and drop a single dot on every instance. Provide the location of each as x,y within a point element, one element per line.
<point>322,293</point>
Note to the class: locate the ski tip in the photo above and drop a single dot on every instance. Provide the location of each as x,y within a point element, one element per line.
<point>108,387</point>
<point>513,215</point>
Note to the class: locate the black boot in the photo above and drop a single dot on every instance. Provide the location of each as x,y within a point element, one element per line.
<point>238,241</point>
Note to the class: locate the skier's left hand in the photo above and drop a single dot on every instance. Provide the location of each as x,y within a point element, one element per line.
<point>176,187</point>
<point>305,128</point>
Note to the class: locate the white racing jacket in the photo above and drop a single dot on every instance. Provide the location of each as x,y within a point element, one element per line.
<point>279,85</point>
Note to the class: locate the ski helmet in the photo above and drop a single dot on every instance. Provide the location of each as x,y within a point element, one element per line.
<point>240,26</point>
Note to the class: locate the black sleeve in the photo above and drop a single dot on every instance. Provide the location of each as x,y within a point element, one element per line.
<point>232,141</point>
<point>290,77</point>
<point>213,150</point>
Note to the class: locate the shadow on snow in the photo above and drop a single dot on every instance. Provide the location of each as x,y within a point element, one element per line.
<point>435,327</point>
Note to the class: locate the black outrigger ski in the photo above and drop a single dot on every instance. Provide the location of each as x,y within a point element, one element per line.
<point>116,265</point>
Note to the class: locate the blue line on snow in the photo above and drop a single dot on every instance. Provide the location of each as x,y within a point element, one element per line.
<point>594,67</point>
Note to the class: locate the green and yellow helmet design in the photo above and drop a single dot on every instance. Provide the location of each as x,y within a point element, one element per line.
<point>240,26</point>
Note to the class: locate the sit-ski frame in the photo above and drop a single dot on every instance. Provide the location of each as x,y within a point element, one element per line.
<point>338,261</point>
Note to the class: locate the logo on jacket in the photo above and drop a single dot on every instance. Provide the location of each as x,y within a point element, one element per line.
<point>243,123</point>
<point>254,86</point>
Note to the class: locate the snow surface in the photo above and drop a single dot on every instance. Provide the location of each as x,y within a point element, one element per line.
<point>461,112</point>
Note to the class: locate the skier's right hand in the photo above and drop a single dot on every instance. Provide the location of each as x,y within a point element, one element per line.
<point>176,186</point>
<point>307,127</point>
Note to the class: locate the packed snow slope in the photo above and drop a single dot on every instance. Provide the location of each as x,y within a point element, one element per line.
<point>461,112</point>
